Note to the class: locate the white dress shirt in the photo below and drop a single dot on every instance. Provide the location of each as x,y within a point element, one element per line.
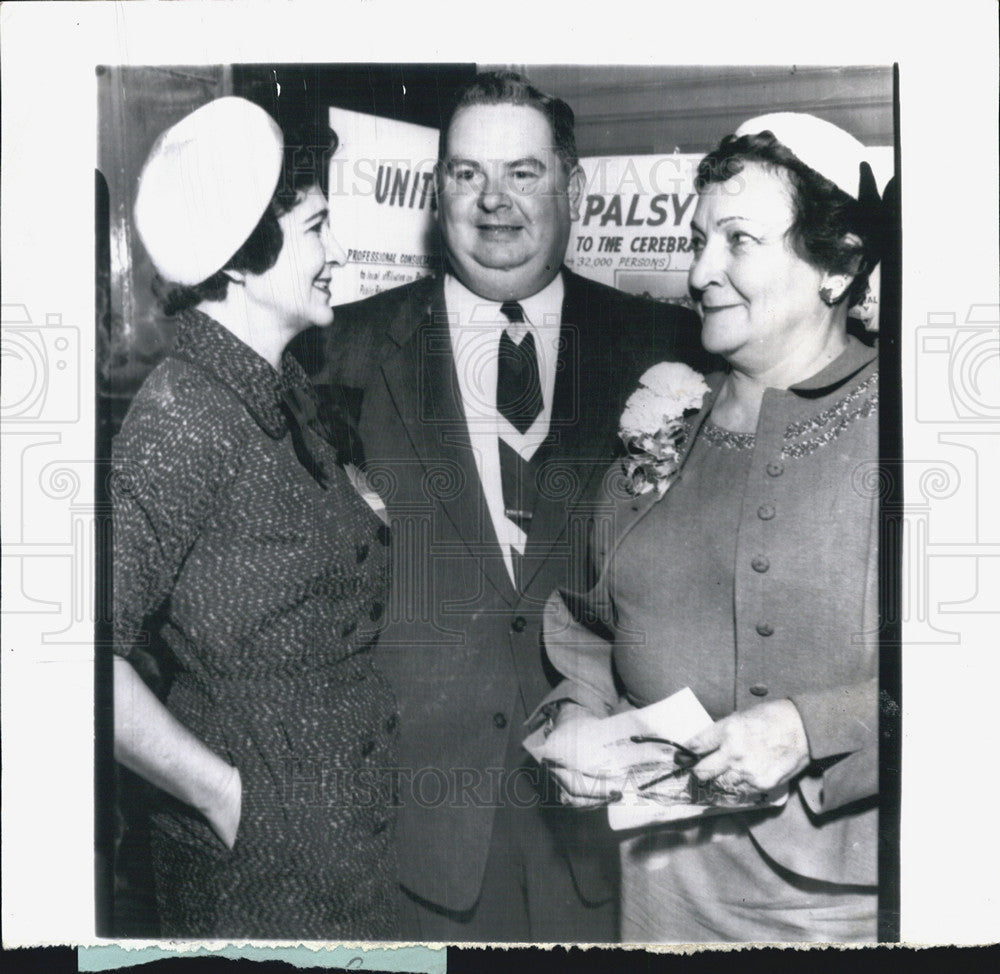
<point>476,326</point>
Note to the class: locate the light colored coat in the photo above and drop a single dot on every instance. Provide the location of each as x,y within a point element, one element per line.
<point>806,625</point>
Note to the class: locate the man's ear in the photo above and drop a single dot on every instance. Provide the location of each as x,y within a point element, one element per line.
<point>575,191</point>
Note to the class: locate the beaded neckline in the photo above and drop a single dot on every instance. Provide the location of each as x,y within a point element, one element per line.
<point>727,439</point>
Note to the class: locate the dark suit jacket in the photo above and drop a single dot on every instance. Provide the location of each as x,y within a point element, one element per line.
<point>461,647</point>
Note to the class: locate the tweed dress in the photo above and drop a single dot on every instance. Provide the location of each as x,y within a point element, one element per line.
<point>268,589</point>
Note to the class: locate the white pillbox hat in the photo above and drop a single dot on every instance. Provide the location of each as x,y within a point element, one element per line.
<point>204,187</point>
<point>821,145</point>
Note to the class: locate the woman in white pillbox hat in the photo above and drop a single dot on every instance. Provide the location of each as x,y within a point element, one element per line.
<point>753,580</point>
<point>245,551</point>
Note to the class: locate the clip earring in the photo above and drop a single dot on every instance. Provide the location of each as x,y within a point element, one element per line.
<point>826,295</point>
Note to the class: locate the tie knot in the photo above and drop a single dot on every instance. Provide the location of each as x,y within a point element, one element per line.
<point>512,311</point>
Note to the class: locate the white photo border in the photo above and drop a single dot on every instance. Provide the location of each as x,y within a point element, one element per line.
<point>948,80</point>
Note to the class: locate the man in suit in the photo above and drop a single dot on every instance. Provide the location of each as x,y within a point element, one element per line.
<point>489,401</point>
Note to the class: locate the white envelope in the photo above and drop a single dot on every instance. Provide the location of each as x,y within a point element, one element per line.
<point>605,749</point>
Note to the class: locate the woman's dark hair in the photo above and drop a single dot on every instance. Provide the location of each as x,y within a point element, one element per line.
<point>305,163</point>
<point>824,214</point>
<point>511,88</point>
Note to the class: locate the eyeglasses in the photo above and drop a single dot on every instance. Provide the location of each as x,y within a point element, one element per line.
<point>685,758</point>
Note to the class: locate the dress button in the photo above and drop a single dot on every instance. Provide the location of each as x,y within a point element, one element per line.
<point>383,534</point>
<point>361,550</point>
<point>349,628</point>
<point>760,564</point>
<point>500,720</point>
<point>765,512</point>
<point>775,468</point>
<point>369,746</point>
<point>765,629</point>
<point>392,723</point>
<point>759,690</point>
<point>376,612</point>
<point>519,624</point>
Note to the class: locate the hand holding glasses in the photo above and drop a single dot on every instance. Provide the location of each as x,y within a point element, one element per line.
<point>685,758</point>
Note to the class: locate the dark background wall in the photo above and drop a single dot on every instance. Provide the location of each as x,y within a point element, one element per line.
<point>628,109</point>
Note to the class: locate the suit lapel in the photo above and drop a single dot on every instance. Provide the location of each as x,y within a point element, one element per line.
<point>423,384</point>
<point>583,433</point>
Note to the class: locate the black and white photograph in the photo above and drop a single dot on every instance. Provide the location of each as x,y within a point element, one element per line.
<point>349,515</point>
<point>500,511</point>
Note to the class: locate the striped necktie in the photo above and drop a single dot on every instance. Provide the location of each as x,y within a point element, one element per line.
<point>519,388</point>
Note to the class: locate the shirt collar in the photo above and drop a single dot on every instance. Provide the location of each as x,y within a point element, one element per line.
<point>209,346</point>
<point>543,309</point>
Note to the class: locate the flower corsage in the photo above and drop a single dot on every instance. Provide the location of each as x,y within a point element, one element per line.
<point>652,426</point>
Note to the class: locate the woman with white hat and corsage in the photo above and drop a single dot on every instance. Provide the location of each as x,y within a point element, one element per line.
<point>246,546</point>
<point>753,579</point>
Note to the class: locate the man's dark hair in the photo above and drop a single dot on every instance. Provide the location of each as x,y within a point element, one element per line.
<point>305,163</point>
<point>824,214</point>
<point>510,88</point>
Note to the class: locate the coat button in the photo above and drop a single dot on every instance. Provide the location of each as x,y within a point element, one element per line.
<point>369,746</point>
<point>759,690</point>
<point>765,512</point>
<point>760,564</point>
<point>383,534</point>
<point>765,629</point>
<point>775,468</point>
<point>361,551</point>
<point>376,612</point>
<point>349,628</point>
<point>500,720</point>
<point>381,827</point>
<point>519,624</point>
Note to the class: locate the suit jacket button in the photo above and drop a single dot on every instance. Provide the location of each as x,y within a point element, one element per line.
<point>519,624</point>
<point>765,512</point>
<point>775,468</point>
<point>765,629</point>
<point>500,720</point>
<point>759,690</point>
<point>760,564</point>
<point>367,749</point>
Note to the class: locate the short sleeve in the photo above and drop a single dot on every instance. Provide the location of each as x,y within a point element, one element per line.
<point>172,465</point>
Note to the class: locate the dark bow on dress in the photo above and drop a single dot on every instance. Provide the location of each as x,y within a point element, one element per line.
<point>336,427</point>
